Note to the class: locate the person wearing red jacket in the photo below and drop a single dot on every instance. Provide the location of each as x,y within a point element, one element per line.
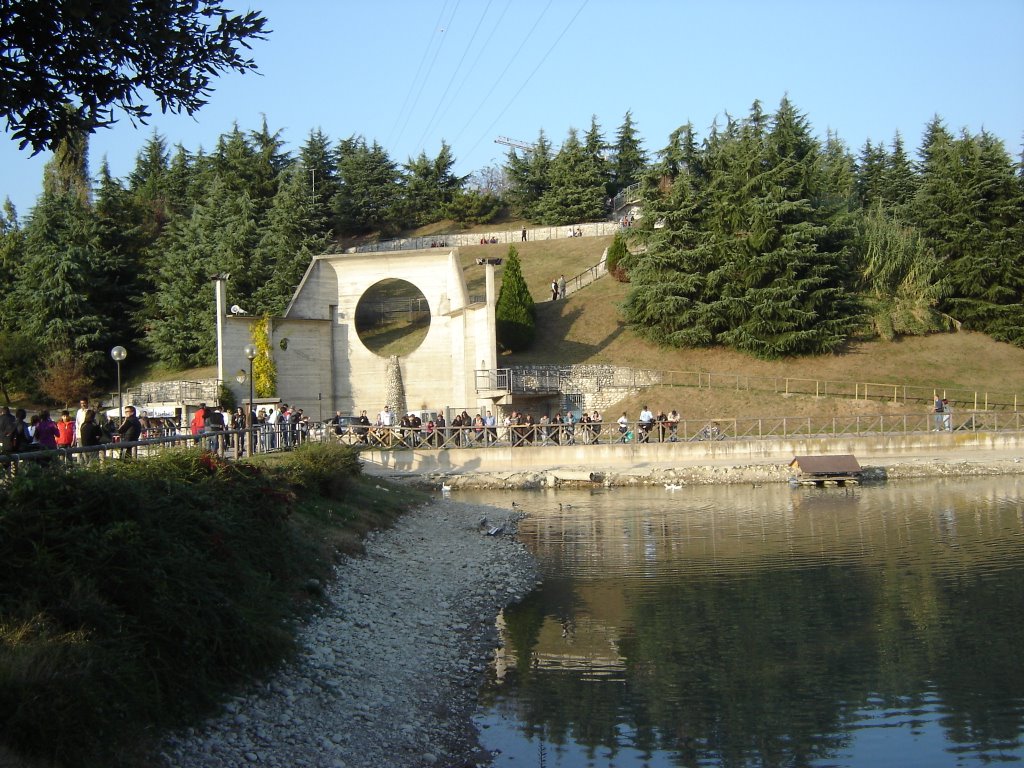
<point>65,430</point>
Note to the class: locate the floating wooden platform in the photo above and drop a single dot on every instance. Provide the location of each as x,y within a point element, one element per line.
<point>841,469</point>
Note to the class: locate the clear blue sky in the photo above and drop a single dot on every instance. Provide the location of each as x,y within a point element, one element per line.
<point>411,72</point>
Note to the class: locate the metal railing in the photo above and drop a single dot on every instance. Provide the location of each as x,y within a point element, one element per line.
<point>685,430</point>
<point>238,443</point>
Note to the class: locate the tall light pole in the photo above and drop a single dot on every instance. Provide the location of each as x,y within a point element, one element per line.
<point>119,353</point>
<point>250,353</point>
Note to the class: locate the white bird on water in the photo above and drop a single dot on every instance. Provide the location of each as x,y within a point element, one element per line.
<point>672,487</point>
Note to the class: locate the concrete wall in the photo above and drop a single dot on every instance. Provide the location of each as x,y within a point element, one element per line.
<point>322,366</point>
<point>725,452</point>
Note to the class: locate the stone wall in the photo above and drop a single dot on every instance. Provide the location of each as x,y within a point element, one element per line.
<point>599,385</point>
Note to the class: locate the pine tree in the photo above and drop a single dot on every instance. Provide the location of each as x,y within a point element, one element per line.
<point>598,150</point>
<point>750,252</point>
<point>430,185</point>
<point>529,178</point>
<point>55,286</point>
<point>967,208</point>
<point>369,189</point>
<point>630,159</point>
<point>514,312</point>
<point>576,191</point>
<point>293,234</point>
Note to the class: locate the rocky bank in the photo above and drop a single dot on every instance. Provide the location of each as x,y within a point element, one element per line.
<point>389,670</point>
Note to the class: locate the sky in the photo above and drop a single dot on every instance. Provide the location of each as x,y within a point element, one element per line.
<point>409,73</point>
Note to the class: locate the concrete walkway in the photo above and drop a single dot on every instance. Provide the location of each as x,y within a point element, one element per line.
<point>903,455</point>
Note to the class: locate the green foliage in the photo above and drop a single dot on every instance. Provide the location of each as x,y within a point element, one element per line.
<point>134,593</point>
<point>752,247</point>
<point>968,210</point>
<point>327,468</point>
<point>472,207</point>
<point>369,194</point>
<point>617,258</point>
<point>528,177</point>
<point>901,291</point>
<point>576,186</point>
<point>514,312</point>
<point>105,60</point>
<point>630,159</point>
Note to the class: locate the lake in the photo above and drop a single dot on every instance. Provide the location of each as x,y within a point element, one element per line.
<point>878,625</point>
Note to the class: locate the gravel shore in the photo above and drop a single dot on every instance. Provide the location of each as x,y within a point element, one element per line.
<point>389,671</point>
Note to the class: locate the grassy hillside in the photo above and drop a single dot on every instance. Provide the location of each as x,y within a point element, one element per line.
<point>587,328</point>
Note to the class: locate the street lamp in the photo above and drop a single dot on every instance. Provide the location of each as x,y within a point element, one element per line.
<point>119,353</point>
<point>250,352</point>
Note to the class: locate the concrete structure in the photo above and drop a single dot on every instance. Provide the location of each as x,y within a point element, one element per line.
<point>873,449</point>
<point>323,367</point>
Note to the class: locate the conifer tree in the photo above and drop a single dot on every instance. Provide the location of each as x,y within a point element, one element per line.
<point>529,178</point>
<point>748,253</point>
<point>967,208</point>
<point>55,285</point>
<point>514,311</point>
<point>369,193</point>
<point>630,159</point>
<point>576,191</point>
<point>293,234</point>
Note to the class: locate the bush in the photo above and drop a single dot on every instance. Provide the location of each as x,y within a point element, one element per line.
<point>133,594</point>
<point>325,467</point>
<point>618,255</point>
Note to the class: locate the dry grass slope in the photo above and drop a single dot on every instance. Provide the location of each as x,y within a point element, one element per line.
<point>588,328</point>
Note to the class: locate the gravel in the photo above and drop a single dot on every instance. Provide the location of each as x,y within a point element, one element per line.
<point>389,670</point>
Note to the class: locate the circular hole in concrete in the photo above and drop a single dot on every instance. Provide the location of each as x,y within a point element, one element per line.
<point>392,318</point>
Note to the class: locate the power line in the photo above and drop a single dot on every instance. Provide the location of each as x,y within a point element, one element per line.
<point>426,77</point>
<point>502,75</point>
<point>528,78</point>
<point>465,52</point>
<point>423,58</point>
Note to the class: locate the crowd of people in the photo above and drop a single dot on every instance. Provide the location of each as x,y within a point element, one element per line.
<point>517,428</point>
<point>20,433</point>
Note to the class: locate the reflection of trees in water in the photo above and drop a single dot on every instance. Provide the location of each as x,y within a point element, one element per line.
<point>774,666</point>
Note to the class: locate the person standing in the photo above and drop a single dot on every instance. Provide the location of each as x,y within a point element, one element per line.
<point>646,423</point>
<point>83,408</point>
<point>66,430</point>
<point>947,416</point>
<point>561,287</point>
<point>89,435</point>
<point>524,234</point>
<point>8,430</point>
<point>623,422</point>
<point>554,289</point>
<point>938,409</point>
<point>130,431</point>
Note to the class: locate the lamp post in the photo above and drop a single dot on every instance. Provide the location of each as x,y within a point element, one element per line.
<point>250,352</point>
<point>119,353</point>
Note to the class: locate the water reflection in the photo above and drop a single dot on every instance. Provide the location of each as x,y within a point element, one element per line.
<point>743,626</point>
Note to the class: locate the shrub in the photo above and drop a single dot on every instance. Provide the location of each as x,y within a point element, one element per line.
<point>617,257</point>
<point>132,594</point>
<point>324,467</point>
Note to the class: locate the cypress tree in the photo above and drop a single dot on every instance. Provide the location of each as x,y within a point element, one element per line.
<point>514,312</point>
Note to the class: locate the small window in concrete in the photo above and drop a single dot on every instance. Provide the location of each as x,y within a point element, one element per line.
<point>392,318</point>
